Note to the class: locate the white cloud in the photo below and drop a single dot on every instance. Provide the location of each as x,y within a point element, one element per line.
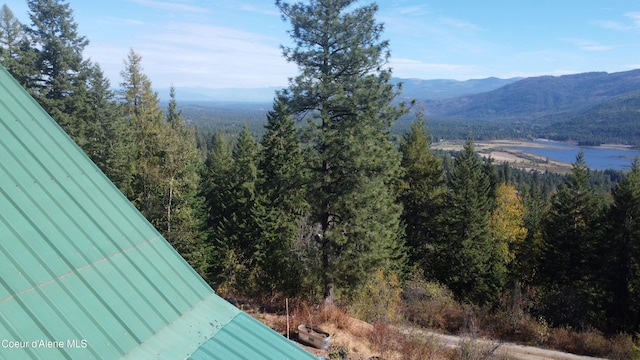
<point>255,9</point>
<point>171,6</point>
<point>634,16</point>
<point>458,23</point>
<point>419,10</point>
<point>409,68</point>
<point>195,54</point>
<point>589,45</point>
<point>120,21</point>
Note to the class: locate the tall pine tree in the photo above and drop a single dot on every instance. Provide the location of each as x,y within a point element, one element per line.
<point>569,264</point>
<point>16,54</point>
<point>465,257</point>
<point>144,118</point>
<point>230,193</point>
<point>218,199</point>
<point>180,173</point>
<point>57,58</point>
<point>344,85</point>
<point>624,255</point>
<point>422,191</point>
<point>281,203</point>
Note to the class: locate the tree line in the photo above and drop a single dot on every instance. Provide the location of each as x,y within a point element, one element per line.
<point>326,198</point>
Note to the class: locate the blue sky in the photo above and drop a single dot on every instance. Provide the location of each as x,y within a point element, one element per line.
<point>235,44</point>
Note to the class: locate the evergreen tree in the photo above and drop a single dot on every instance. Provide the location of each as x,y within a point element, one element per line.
<point>569,264</point>
<point>281,203</point>
<point>465,257</point>
<point>344,85</point>
<point>623,268</point>
<point>180,168</point>
<point>422,191</point>
<point>144,118</point>
<point>230,193</point>
<point>57,49</point>
<point>103,132</point>
<point>16,54</point>
<point>536,203</point>
<point>216,191</point>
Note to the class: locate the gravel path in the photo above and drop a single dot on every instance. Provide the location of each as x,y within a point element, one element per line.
<point>511,351</point>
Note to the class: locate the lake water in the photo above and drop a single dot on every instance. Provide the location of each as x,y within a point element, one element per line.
<point>596,157</point>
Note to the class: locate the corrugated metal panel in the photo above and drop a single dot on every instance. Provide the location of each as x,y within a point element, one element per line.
<point>245,338</point>
<point>82,273</point>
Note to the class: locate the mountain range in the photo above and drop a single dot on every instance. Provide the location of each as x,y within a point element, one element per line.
<point>411,89</point>
<point>537,97</point>
<point>588,108</point>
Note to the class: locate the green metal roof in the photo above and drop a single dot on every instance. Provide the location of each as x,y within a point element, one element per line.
<point>84,275</point>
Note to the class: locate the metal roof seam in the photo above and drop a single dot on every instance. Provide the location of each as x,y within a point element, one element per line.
<point>98,188</point>
<point>82,269</point>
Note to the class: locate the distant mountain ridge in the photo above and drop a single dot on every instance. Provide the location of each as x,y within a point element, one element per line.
<point>446,89</point>
<point>537,97</point>
<point>412,89</point>
<point>588,108</point>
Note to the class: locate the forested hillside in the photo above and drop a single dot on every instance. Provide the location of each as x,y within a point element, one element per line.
<point>326,204</point>
<point>589,108</point>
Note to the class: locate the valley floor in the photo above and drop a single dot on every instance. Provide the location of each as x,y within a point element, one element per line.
<point>506,151</point>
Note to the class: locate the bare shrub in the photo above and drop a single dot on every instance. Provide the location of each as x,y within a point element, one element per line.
<point>592,343</point>
<point>471,349</point>
<point>432,305</point>
<point>621,347</point>
<point>379,300</point>
<point>384,337</point>
<point>418,347</point>
<point>564,339</point>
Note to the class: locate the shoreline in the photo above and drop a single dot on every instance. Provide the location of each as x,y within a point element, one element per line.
<point>536,155</point>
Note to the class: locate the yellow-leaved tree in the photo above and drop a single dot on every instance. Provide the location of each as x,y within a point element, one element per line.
<point>507,223</point>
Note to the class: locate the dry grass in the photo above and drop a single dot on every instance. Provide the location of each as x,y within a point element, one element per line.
<point>355,339</point>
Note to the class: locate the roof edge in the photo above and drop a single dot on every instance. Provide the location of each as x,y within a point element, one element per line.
<point>186,334</point>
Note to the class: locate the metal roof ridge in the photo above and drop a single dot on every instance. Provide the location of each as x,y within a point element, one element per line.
<point>187,333</point>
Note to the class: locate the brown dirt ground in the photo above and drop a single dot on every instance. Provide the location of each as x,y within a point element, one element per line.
<point>355,335</point>
<point>504,150</point>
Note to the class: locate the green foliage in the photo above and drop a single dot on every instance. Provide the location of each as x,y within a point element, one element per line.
<point>144,118</point>
<point>16,54</point>
<point>343,84</point>
<point>624,254</point>
<point>281,203</point>
<point>159,171</point>
<point>569,266</point>
<point>57,60</point>
<point>465,258</point>
<point>180,166</point>
<point>422,191</point>
<point>379,300</point>
<point>230,200</point>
